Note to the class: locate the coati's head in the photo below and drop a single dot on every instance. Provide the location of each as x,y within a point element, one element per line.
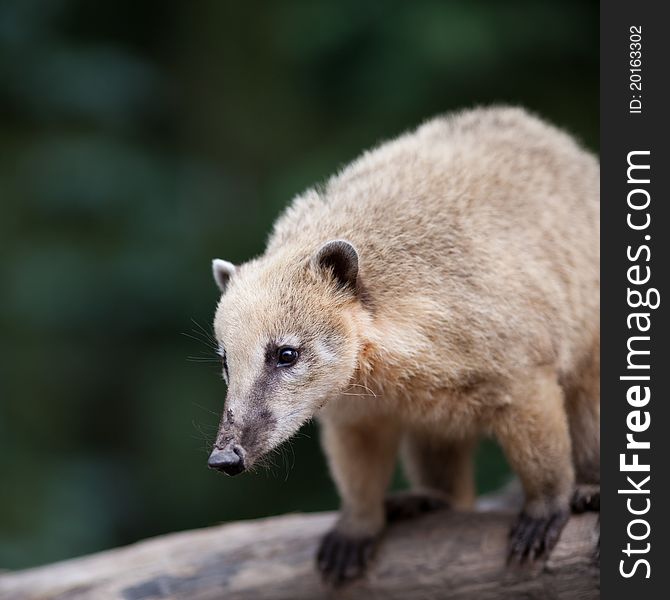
<point>287,335</point>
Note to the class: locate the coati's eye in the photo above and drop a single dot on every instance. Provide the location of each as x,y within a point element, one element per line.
<point>286,356</point>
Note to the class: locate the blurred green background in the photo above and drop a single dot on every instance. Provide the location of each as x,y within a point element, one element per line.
<point>140,139</point>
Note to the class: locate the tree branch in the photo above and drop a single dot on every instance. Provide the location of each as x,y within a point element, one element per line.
<point>444,554</point>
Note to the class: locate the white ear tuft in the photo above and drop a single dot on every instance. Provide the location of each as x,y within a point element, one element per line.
<point>222,271</point>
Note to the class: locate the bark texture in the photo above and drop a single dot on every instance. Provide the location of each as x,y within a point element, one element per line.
<point>441,555</point>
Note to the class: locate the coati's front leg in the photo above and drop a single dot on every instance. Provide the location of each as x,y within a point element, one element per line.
<point>533,431</point>
<point>361,457</point>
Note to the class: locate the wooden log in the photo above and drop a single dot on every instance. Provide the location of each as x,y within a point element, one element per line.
<point>441,555</point>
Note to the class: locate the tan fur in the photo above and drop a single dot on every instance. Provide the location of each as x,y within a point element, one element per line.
<point>477,312</point>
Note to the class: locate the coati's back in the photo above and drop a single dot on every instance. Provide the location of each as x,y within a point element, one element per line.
<point>482,225</point>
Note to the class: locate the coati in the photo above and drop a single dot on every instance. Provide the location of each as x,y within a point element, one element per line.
<point>443,286</point>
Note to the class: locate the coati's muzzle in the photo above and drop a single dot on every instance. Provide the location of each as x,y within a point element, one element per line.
<point>243,437</point>
<point>229,459</point>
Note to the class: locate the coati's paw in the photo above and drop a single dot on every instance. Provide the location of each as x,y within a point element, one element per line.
<point>342,558</point>
<point>535,537</point>
<point>406,505</point>
<point>586,499</point>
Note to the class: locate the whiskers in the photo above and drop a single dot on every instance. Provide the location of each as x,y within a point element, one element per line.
<point>204,359</point>
<point>269,462</point>
<point>369,391</point>
<point>206,438</point>
<point>287,460</point>
<point>206,432</point>
<point>202,336</point>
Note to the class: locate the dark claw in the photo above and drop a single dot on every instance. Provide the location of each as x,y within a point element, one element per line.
<point>342,558</point>
<point>406,505</point>
<point>586,499</point>
<point>532,538</point>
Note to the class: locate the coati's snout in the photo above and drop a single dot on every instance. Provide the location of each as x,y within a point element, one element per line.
<point>244,437</point>
<point>228,460</point>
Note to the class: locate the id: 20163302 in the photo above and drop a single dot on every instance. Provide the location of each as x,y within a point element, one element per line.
<point>635,62</point>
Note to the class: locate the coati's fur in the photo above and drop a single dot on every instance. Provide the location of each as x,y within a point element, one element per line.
<point>443,286</point>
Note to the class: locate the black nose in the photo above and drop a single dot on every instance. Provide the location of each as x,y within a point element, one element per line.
<point>230,460</point>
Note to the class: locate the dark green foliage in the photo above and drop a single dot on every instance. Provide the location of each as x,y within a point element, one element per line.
<point>140,139</point>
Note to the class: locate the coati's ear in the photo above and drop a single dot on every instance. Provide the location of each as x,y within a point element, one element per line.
<point>222,271</point>
<point>341,259</point>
